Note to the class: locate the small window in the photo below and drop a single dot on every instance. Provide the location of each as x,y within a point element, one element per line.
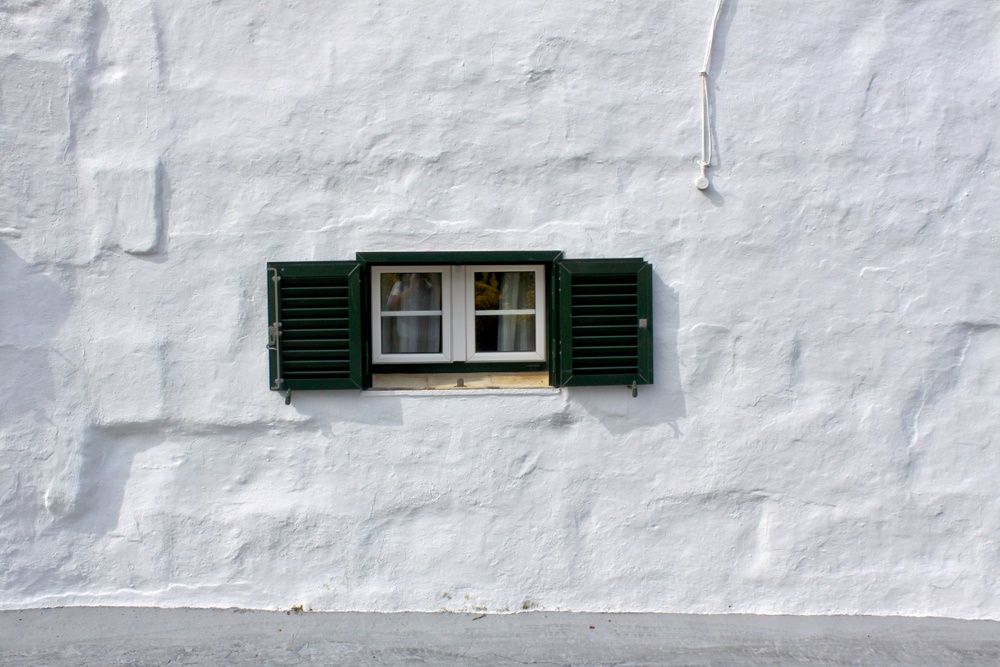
<point>461,313</point>
<point>338,324</point>
<point>505,316</point>
<point>411,314</point>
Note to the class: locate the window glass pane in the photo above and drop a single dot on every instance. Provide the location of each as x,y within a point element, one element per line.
<point>505,333</point>
<point>410,291</point>
<point>411,321</point>
<point>411,334</point>
<point>505,290</point>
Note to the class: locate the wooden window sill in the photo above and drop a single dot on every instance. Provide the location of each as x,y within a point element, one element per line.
<point>446,381</point>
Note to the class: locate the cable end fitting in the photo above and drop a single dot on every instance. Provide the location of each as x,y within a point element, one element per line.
<point>702,181</point>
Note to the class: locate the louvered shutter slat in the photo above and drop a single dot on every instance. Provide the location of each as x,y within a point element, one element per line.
<point>318,306</point>
<point>605,322</point>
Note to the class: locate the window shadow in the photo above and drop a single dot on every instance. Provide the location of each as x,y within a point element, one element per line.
<point>657,404</point>
<point>328,407</point>
<point>34,308</point>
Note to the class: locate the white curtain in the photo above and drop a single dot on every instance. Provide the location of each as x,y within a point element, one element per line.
<point>515,331</point>
<point>403,334</point>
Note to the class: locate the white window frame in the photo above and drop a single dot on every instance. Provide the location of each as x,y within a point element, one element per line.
<point>538,354</point>
<point>446,317</point>
<point>458,315</point>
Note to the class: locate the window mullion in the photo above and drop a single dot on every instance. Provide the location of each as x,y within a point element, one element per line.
<point>520,311</point>
<point>459,309</point>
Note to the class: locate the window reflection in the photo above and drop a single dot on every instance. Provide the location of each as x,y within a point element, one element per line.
<point>411,312</point>
<point>505,305</point>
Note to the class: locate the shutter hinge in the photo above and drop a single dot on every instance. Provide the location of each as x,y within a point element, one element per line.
<point>643,323</point>
<point>274,331</point>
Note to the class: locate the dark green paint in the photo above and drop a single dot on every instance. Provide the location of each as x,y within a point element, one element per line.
<point>321,334</point>
<point>464,367</point>
<point>593,318</point>
<point>461,257</point>
<point>600,305</point>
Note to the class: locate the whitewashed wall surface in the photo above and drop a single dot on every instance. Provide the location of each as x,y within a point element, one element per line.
<point>822,436</point>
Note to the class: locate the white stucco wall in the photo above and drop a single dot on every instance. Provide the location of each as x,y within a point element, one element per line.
<point>822,434</point>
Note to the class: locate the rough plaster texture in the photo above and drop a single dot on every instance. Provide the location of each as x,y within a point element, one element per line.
<point>821,437</point>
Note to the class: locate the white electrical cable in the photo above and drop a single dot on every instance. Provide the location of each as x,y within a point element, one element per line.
<point>707,149</point>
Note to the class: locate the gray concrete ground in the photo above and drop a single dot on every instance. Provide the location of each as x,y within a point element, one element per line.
<point>80,636</point>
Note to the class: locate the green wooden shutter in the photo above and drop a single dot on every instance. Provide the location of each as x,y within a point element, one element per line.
<point>605,322</point>
<point>314,317</point>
